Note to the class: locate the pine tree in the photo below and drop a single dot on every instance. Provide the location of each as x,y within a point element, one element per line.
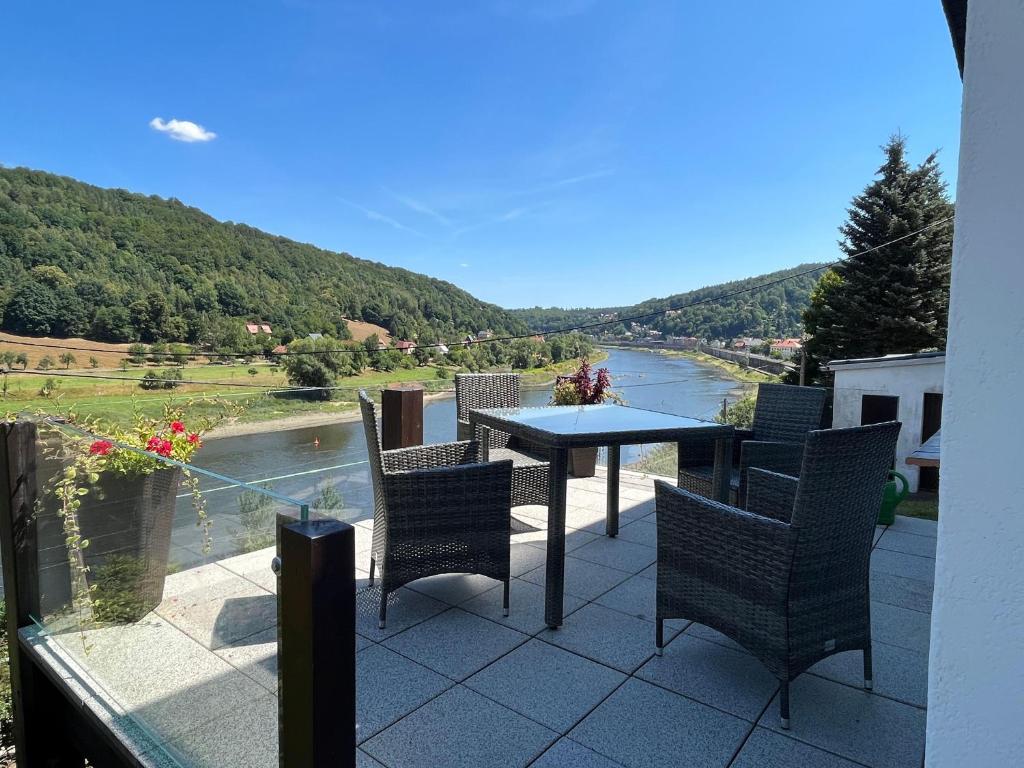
<point>894,299</point>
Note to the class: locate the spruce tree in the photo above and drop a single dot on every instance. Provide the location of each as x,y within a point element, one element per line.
<point>894,299</point>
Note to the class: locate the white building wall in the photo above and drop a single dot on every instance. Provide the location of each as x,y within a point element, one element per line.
<point>908,381</point>
<point>976,671</point>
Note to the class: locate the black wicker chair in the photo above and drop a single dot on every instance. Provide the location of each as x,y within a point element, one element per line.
<point>787,578</point>
<point>501,390</point>
<point>436,509</point>
<point>783,416</point>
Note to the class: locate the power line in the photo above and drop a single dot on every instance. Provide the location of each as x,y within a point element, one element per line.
<point>557,332</point>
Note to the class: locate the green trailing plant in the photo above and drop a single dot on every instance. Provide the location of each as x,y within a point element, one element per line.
<point>116,596</point>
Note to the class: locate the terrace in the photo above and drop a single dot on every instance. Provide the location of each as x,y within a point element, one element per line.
<point>452,682</point>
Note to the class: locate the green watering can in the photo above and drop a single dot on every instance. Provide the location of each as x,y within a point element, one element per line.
<point>891,498</point>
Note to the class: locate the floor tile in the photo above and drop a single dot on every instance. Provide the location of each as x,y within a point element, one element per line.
<point>607,636</point>
<point>574,539</point>
<point>547,684</point>
<point>388,687</point>
<point>899,673</point>
<point>405,609</point>
<point>363,760</point>
<point>255,657</point>
<point>916,525</point>
<point>636,596</point>
<point>643,726</point>
<point>900,564</point>
<point>453,588</point>
<point>242,737</point>
<point>221,613</point>
<point>583,578</point>
<point>566,753</point>
<point>526,606</point>
<point>900,626</point>
<point>617,553</point>
<point>908,543</point>
<point>526,557</point>
<point>905,593</point>
<point>640,532</point>
<point>765,749</point>
<point>254,566</point>
<point>460,729</point>
<point>852,723</point>
<point>456,643</point>
<point>713,674</point>
<point>713,636</point>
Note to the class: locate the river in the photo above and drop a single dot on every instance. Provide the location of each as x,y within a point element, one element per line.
<point>293,463</point>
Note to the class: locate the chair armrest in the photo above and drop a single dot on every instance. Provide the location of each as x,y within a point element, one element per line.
<point>431,456</point>
<point>700,451</point>
<point>450,502</point>
<point>784,458</point>
<point>770,494</point>
<point>719,545</point>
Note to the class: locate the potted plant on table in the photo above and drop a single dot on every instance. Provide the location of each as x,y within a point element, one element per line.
<point>584,387</point>
<point>116,497</point>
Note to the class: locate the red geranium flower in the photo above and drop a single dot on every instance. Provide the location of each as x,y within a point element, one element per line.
<point>101,447</point>
<point>153,444</point>
<point>194,438</point>
<point>166,446</point>
<point>177,427</point>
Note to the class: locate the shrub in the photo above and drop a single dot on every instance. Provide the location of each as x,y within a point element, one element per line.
<point>159,380</point>
<point>740,414</point>
<point>6,707</point>
<point>46,363</point>
<point>258,517</point>
<point>137,353</point>
<point>49,388</point>
<point>94,363</point>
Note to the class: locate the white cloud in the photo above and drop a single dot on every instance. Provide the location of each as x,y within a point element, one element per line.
<point>182,130</point>
<point>464,264</point>
<point>421,207</point>
<point>377,216</point>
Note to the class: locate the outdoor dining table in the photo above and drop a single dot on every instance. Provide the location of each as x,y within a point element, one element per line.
<point>559,428</point>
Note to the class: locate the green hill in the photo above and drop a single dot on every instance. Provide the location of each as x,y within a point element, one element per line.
<point>774,311</point>
<point>107,264</point>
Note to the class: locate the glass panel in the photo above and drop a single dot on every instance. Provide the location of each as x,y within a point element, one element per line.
<point>590,419</point>
<point>157,596</point>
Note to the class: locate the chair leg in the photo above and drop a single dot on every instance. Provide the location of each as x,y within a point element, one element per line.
<point>869,682</point>
<point>373,567</point>
<point>504,599</point>
<point>383,618</point>
<point>784,705</point>
<point>659,637</point>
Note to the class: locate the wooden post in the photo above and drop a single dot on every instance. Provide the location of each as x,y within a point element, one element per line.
<point>317,645</point>
<point>401,408</point>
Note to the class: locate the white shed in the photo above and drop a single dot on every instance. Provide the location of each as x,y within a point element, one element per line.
<point>903,387</point>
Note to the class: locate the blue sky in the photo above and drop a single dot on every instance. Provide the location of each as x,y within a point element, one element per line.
<point>566,152</point>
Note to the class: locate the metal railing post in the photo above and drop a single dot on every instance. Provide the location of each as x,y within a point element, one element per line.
<point>316,645</point>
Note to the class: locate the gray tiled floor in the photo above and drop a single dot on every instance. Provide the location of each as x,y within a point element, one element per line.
<point>451,682</point>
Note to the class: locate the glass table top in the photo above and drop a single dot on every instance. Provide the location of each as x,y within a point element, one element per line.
<point>596,421</point>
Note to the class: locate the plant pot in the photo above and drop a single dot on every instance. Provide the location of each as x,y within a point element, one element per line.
<point>127,521</point>
<point>583,462</point>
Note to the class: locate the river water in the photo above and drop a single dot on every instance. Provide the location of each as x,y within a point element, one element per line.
<point>293,464</point>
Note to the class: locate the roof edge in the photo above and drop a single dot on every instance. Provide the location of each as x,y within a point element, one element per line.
<point>956,17</point>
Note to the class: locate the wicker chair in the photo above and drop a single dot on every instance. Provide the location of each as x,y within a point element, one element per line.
<point>501,390</point>
<point>787,578</point>
<point>436,509</point>
<point>783,416</point>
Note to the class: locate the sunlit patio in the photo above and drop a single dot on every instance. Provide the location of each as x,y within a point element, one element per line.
<point>451,682</point>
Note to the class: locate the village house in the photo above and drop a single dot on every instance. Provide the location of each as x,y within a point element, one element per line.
<point>255,329</point>
<point>405,347</point>
<point>786,348</point>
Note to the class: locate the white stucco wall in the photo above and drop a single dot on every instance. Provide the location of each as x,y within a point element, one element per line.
<point>908,381</point>
<point>976,671</point>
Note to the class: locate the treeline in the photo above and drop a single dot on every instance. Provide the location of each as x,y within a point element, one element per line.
<point>772,312</point>
<point>323,362</point>
<point>111,265</point>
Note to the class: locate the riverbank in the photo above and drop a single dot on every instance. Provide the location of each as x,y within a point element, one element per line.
<point>346,412</point>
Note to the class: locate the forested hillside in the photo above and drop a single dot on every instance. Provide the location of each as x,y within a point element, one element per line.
<point>774,311</point>
<point>110,265</point>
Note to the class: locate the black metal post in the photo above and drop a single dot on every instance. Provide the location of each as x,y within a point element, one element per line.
<point>401,421</point>
<point>316,645</point>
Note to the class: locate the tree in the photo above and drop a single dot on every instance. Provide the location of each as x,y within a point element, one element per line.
<point>137,353</point>
<point>67,359</point>
<point>315,363</point>
<point>7,358</point>
<point>22,359</point>
<point>891,299</point>
<point>93,362</point>
<point>46,363</point>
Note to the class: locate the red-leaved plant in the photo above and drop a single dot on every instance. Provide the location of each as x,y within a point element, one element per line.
<point>585,387</point>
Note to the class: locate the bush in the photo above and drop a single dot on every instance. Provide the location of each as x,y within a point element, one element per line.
<point>49,388</point>
<point>6,708</point>
<point>740,414</point>
<point>443,373</point>
<point>159,380</point>
<point>94,363</point>
<point>46,363</point>
<point>137,353</point>
<point>258,517</point>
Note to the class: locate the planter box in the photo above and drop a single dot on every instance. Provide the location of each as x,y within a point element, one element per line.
<point>128,521</point>
<point>583,462</point>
